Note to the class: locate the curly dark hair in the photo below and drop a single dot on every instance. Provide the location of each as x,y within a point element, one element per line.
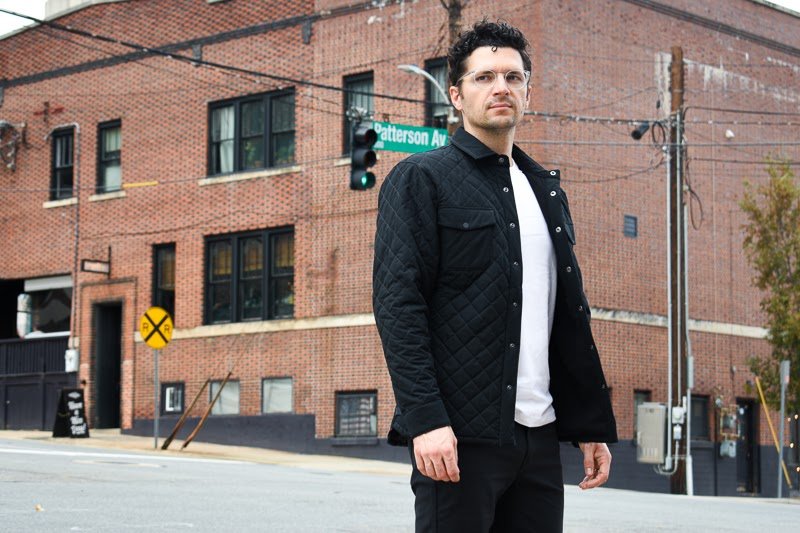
<point>485,33</point>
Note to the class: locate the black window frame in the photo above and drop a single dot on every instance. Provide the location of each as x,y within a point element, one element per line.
<point>371,394</point>
<point>60,169</point>
<point>269,278</point>
<point>347,81</point>
<point>176,385</point>
<point>158,299</point>
<point>433,120</point>
<point>104,160</point>
<point>268,134</point>
<point>702,421</point>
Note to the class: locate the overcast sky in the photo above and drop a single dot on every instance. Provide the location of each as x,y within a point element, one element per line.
<point>35,8</point>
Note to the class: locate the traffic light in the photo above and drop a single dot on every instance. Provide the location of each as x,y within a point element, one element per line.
<point>362,156</point>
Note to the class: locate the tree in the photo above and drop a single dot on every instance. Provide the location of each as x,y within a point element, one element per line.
<point>772,245</point>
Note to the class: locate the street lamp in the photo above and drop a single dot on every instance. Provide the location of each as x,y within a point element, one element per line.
<point>413,69</point>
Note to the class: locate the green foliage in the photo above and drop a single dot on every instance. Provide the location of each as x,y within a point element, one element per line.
<point>772,245</point>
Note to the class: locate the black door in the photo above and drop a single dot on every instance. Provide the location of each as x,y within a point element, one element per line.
<point>747,460</point>
<point>107,322</point>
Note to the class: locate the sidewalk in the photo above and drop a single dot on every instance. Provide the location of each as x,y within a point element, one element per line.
<point>114,439</point>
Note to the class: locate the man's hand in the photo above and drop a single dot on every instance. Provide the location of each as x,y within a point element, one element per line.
<point>596,464</point>
<point>437,455</point>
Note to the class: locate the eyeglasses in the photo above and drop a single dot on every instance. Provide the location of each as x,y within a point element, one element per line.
<point>515,79</point>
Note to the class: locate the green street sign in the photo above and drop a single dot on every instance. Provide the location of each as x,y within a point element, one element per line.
<point>403,138</point>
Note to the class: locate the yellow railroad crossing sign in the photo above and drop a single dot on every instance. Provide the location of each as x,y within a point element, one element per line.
<point>156,328</point>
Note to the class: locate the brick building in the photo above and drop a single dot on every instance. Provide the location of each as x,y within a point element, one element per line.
<point>222,195</point>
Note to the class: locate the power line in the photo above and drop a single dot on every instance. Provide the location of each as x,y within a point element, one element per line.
<point>211,64</point>
<point>743,111</point>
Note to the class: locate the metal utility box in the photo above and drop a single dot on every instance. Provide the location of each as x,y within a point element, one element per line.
<point>651,433</point>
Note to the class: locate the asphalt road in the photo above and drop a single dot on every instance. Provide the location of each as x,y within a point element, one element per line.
<point>47,486</point>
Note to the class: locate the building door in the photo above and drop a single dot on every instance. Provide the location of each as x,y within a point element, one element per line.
<point>107,322</point>
<point>747,459</point>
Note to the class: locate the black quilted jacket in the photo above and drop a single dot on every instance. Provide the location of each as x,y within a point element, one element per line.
<point>447,296</point>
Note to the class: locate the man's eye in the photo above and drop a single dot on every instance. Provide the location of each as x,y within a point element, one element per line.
<point>515,77</point>
<point>484,76</point>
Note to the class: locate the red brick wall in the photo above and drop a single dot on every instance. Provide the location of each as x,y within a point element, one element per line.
<point>591,59</point>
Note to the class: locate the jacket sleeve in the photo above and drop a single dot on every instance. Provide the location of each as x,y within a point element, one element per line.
<point>404,272</point>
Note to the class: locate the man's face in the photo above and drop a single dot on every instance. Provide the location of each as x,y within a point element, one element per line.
<point>494,108</point>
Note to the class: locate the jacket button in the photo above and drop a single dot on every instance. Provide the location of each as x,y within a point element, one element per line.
<point>552,193</point>
<point>552,172</point>
<point>465,225</point>
<point>515,304</point>
<point>580,308</point>
<point>512,225</point>
<point>501,160</point>
<point>591,347</point>
<point>516,263</point>
<point>509,387</point>
<point>505,189</point>
<point>512,345</point>
<point>558,229</point>
<point>569,269</point>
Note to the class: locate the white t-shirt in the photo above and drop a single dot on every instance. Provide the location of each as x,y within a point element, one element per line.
<point>534,406</point>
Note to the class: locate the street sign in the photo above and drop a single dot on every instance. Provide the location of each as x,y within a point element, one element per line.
<point>404,138</point>
<point>156,328</point>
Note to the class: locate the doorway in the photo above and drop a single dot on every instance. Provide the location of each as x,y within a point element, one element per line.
<point>107,325</point>
<point>747,458</point>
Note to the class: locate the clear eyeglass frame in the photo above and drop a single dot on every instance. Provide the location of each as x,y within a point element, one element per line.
<point>515,79</point>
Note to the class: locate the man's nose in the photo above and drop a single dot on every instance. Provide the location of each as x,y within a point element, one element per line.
<point>500,86</point>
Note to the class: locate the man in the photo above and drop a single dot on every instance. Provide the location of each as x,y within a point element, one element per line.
<point>480,306</point>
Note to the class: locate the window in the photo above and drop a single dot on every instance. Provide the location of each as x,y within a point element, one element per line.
<point>251,133</point>
<point>164,278</point>
<point>276,395</point>
<point>699,418</point>
<point>357,414</point>
<point>250,276</point>
<point>361,83</point>
<point>109,149</point>
<point>630,226</point>
<point>61,179</point>
<point>639,397</point>
<point>437,108</point>
<point>228,401</point>
<point>171,398</point>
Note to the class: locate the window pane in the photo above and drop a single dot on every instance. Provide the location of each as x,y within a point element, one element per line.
<point>357,415</point>
<point>172,398</point>
<point>253,153</point>
<point>112,177</point>
<point>283,148</point>
<point>228,401</point>
<point>283,113</point>
<point>164,289</point>
<point>51,310</point>
<point>276,395</point>
<point>220,302</point>
<point>253,118</point>
<point>283,297</point>
<point>251,299</point>
<point>222,134</point>
<point>283,253</point>
<point>220,261</point>
<point>112,142</point>
<point>252,257</point>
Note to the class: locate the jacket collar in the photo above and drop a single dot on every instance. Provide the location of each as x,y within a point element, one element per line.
<point>470,145</point>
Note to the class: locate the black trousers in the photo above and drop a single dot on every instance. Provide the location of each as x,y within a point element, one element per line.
<point>502,489</point>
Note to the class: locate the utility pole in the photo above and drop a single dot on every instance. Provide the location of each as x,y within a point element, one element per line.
<point>454,9</point>
<point>677,241</point>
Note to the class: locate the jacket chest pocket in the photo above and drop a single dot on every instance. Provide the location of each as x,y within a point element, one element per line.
<point>466,237</point>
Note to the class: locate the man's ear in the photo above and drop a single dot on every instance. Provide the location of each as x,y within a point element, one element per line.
<point>455,97</point>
